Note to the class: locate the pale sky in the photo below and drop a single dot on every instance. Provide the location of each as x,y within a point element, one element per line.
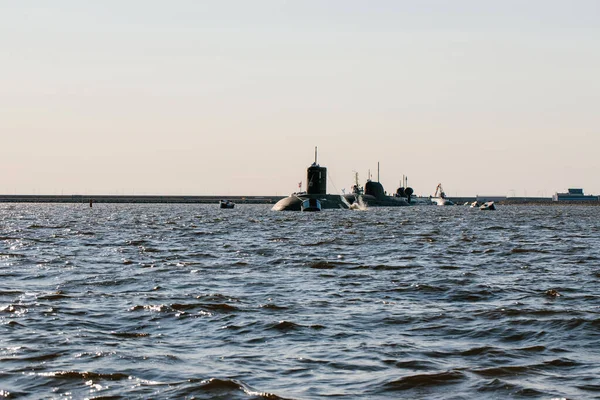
<point>231,97</point>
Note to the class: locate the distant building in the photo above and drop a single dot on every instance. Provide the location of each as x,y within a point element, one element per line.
<point>574,195</point>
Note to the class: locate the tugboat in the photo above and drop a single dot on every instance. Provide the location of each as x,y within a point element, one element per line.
<point>316,189</point>
<point>226,204</point>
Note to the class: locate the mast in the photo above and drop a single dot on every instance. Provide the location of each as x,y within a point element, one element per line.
<point>377,171</point>
<point>315,154</point>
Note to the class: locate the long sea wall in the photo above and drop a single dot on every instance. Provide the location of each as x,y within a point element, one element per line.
<point>135,199</point>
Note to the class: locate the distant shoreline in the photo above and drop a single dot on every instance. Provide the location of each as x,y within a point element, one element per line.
<point>178,199</point>
<point>136,199</point>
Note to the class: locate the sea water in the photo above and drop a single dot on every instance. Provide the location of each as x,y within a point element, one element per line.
<point>192,301</point>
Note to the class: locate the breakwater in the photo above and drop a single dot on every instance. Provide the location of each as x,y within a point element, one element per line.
<point>179,199</point>
<point>506,200</point>
<point>135,199</point>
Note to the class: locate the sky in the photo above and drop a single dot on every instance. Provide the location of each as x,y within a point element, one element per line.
<point>231,97</point>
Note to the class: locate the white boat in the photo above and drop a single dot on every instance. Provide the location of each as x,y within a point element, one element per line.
<point>440,201</point>
<point>439,197</point>
<point>488,206</point>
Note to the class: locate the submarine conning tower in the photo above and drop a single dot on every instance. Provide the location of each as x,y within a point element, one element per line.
<point>374,189</point>
<point>316,178</point>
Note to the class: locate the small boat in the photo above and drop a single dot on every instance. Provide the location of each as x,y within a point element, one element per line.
<point>310,205</point>
<point>226,204</point>
<point>488,206</point>
<point>475,204</point>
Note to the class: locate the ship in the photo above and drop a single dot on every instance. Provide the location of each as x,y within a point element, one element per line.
<point>226,204</point>
<point>373,194</point>
<point>316,189</point>
<point>440,198</point>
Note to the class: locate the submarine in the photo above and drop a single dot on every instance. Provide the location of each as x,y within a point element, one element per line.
<point>316,189</point>
<point>373,194</point>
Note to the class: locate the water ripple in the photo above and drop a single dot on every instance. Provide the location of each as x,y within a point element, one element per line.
<point>190,301</point>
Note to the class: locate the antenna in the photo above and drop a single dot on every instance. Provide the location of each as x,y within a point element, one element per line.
<point>315,154</point>
<point>377,171</point>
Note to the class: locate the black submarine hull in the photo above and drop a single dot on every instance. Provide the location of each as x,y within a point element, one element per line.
<point>294,202</point>
<point>316,188</point>
<point>372,201</point>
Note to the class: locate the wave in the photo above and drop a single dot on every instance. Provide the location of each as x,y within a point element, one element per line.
<point>86,375</point>
<point>413,364</point>
<point>519,250</point>
<point>383,267</point>
<point>274,307</point>
<point>288,326</point>
<point>220,388</point>
<point>10,292</point>
<point>12,255</point>
<point>511,390</point>
<point>484,350</point>
<point>426,380</point>
<point>58,295</point>
<point>561,362</point>
<point>184,307</point>
<point>130,334</point>
<point>320,243</point>
<point>221,307</point>
<point>323,265</point>
<point>513,370</point>
<point>14,308</point>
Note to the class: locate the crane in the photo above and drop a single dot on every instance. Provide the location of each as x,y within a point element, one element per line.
<point>439,190</point>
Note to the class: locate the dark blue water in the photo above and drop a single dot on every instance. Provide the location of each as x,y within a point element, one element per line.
<point>191,301</point>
